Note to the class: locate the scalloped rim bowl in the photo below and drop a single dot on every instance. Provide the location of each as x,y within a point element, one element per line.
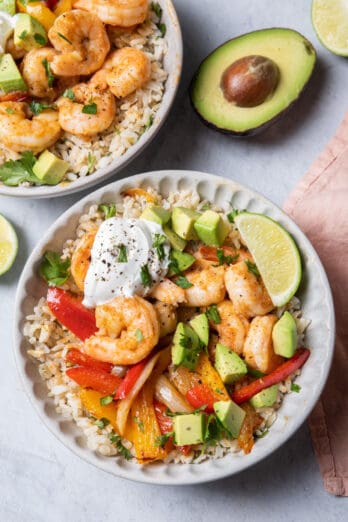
<point>173,64</point>
<point>317,306</point>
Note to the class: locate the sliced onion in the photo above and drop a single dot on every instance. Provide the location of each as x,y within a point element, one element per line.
<point>125,404</point>
<point>167,393</point>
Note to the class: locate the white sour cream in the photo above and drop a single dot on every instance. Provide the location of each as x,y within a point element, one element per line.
<point>7,23</point>
<point>107,277</point>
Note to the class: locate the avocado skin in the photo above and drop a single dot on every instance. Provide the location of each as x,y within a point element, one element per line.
<point>254,131</point>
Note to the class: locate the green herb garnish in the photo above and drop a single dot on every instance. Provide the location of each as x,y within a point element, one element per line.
<point>41,40</point>
<point>163,28</point>
<point>157,9</point>
<point>234,212</point>
<point>50,77</point>
<point>138,335</point>
<point>54,269</point>
<point>9,110</point>
<point>162,440</point>
<point>183,282</point>
<point>104,401</point>
<point>145,275</point>
<point>252,268</point>
<point>122,256</point>
<point>90,108</point>
<point>64,38</point>
<point>117,441</point>
<point>206,205</point>
<point>13,173</point>
<point>37,107</point>
<point>213,314</point>
<point>102,423</point>
<point>23,35</point>
<point>225,260</point>
<point>139,423</point>
<point>295,388</point>
<point>69,93</point>
<point>158,242</point>
<point>263,434</point>
<point>91,162</point>
<point>108,209</point>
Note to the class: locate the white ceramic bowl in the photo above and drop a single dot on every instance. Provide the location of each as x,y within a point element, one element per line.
<point>173,65</point>
<point>317,306</point>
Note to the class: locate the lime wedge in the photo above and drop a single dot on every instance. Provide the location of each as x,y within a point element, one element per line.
<point>330,21</point>
<point>8,245</point>
<point>275,253</point>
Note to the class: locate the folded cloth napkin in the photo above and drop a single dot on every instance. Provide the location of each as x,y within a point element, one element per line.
<point>319,205</point>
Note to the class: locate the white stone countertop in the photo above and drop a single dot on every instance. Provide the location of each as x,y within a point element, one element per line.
<point>40,480</point>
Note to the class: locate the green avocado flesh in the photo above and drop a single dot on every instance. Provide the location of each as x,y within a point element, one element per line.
<point>290,51</point>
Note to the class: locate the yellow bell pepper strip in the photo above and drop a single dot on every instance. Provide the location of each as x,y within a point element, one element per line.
<point>252,421</point>
<point>133,192</point>
<point>91,402</point>
<point>211,378</point>
<point>37,10</point>
<point>62,6</point>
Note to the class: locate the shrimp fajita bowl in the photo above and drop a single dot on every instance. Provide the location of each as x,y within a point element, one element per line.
<point>84,86</point>
<point>158,332</point>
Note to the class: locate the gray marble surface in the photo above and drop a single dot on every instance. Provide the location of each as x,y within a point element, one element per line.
<point>40,480</point>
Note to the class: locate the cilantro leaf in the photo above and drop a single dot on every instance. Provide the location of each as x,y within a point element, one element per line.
<point>41,40</point>
<point>139,423</point>
<point>102,423</point>
<point>64,38</point>
<point>117,441</point>
<point>49,75</point>
<point>213,314</point>
<point>122,256</point>
<point>69,93</point>
<point>108,209</point>
<point>295,388</point>
<point>183,282</point>
<point>13,173</point>
<point>54,269</point>
<point>91,108</point>
<point>234,212</point>
<point>225,260</point>
<point>163,29</point>
<point>91,162</point>
<point>157,9</point>
<point>138,335</point>
<point>161,440</point>
<point>252,268</point>
<point>104,401</point>
<point>145,275</point>
<point>158,242</point>
<point>37,107</point>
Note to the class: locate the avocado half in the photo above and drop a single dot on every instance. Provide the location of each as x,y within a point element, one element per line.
<point>289,50</point>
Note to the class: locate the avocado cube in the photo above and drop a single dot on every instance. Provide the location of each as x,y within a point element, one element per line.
<point>200,325</point>
<point>182,259</point>
<point>176,242</point>
<point>29,33</point>
<point>229,365</point>
<point>185,347</point>
<point>211,229</point>
<point>189,429</point>
<point>8,6</point>
<point>50,169</point>
<point>183,220</point>
<point>284,336</point>
<point>265,398</point>
<point>10,77</point>
<point>157,214</point>
<point>230,415</point>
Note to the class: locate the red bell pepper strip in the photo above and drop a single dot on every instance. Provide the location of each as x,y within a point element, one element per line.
<point>201,395</point>
<point>15,96</point>
<point>279,374</point>
<point>165,424</point>
<point>69,311</point>
<point>130,379</point>
<point>81,359</point>
<point>98,380</point>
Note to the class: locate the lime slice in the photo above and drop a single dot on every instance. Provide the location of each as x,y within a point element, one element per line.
<point>330,20</point>
<point>275,253</point>
<point>8,245</point>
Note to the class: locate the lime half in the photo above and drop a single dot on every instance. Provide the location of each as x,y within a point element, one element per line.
<point>8,245</point>
<point>330,21</point>
<point>275,253</point>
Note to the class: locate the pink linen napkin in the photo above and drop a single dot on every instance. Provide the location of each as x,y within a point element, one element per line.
<point>319,205</point>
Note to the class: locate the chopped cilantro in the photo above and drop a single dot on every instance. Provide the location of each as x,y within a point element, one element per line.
<point>163,28</point>
<point>183,282</point>
<point>157,9</point>
<point>252,268</point>
<point>122,256</point>
<point>90,108</point>
<point>102,423</point>
<point>69,93</point>
<point>139,423</point>
<point>104,401</point>
<point>91,162</point>
<point>213,314</point>
<point>174,266</point>
<point>225,260</point>
<point>263,434</point>
<point>64,38</point>
<point>108,209</point>
<point>50,77</point>
<point>23,35</point>
<point>12,173</point>
<point>206,205</point>
<point>117,441</point>
<point>161,440</point>
<point>41,40</point>
<point>54,269</point>
<point>234,212</point>
<point>145,275</point>
<point>9,110</point>
<point>138,335</point>
<point>37,107</point>
<point>295,388</point>
<point>158,242</point>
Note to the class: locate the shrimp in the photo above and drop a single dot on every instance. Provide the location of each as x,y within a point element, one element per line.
<point>16,52</point>
<point>103,110</point>
<point>233,327</point>
<point>167,317</point>
<point>128,330</point>
<point>82,41</point>
<point>258,347</point>
<point>246,291</point>
<point>208,286</point>
<point>35,74</point>
<point>125,70</point>
<point>123,13</point>
<point>81,258</point>
<point>20,131</point>
<point>168,292</point>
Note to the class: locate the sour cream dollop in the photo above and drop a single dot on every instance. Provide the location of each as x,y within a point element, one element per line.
<point>107,277</point>
<point>7,23</point>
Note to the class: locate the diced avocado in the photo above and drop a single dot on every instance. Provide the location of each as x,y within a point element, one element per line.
<point>230,415</point>
<point>50,169</point>
<point>229,365</point>
<point>211,229</point>
<point>157,214</point>
<point>29,33</point>
<point>10,77</point>
<point>8,6</point>
<point>284,335</point>
<point>185,345</point>
<point>183,220</point>
<point>200,324</point>
<point>182,259</point>
<point>265,398</point>
<point>189,429</point>
<point>176,242</point>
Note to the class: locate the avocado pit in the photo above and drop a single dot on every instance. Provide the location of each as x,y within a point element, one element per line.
<point>249,81</point>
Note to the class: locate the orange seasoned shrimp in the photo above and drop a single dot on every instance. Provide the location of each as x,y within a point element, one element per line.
<point>16,52</point>
<point>123,13</point>
<point>72,115</point>
<point>246,291</point>
<point>167,317</point>
<point>168,292</point>
<point>82,41</point>
<point>128,330</point>
<point>124,71</point>
<point>233,327</point>
<point>208,286</point>
<point>80,260</point>
<point>34,72</point>
<point>258,346</point>
<point>20,131</point>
